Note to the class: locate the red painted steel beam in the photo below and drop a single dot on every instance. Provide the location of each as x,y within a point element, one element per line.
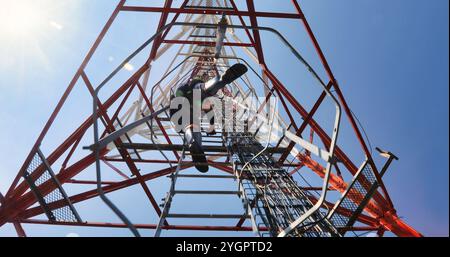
<point>342,100</point>
<point>162,22</point>
<point>94,193</point>
<point>161,127</point>
<point>360,229</point>
<point>205,43</point>
<point>17,226</point>
<point>299,108</point>
<point>339,153</point>
<point>305,123</point>
<point>221,167</point>
<point>296,169</point>
<point>19,229</point>
<point>122,103</point>
<point>384,218</point>
<point>123,152</point>
<point>143,226</point>
<point>316,127</point>
<point>396,225</point>
<point>183,163</point>
<point>114,168</point>
<point>254,22</point>
<point>15,206</point>
<point>90,182</point>
<point>331,76</point>
<point>340,185</point>
<point>74,169</point>
<point>76,134</point>
<point>175,17</point>
<point>367,220</point>
<point>283,102</point>
<point>211,12</point>
<point>66,94</point>
<point>70,154</point>
<point>247,31</point>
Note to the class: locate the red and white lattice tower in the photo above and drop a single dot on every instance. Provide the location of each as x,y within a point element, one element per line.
<point>290,185</point>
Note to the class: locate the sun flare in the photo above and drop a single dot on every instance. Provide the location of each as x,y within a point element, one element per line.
<point>27,29</point>
<point>21,19</point>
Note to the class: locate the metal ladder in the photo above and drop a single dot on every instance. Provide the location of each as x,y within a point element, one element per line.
<point>39,164</point>
<point>270,192</point>
<point>173,191</point>
<point>358,194</point>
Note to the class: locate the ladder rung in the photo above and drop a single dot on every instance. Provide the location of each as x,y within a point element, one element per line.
<point>206,192</point>
<point>206,176</point>
<point>207,216</point>
<point>205,25</point>
<point>276,170</point>
<point>208,8</point>
<point>205,163</point>
<point>203,36</point>
<point>208,154</point>
<point>212,141</point>
<point>200,52</point>
<point>212,136</point>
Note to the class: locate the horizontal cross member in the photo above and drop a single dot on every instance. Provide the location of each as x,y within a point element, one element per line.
<point>206,148</point>
<point>205,43</point>
<point>206,216</point>
<point>143,226</point>
<point>212,12</point>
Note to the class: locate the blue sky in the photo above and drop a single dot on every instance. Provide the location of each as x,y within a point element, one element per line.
<point>390,58</point>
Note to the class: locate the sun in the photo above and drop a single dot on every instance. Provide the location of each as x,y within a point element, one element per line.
<point>27,28</point>
<point>22,19</point>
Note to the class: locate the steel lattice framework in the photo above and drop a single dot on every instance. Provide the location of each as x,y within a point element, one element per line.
<point>134,131</point>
